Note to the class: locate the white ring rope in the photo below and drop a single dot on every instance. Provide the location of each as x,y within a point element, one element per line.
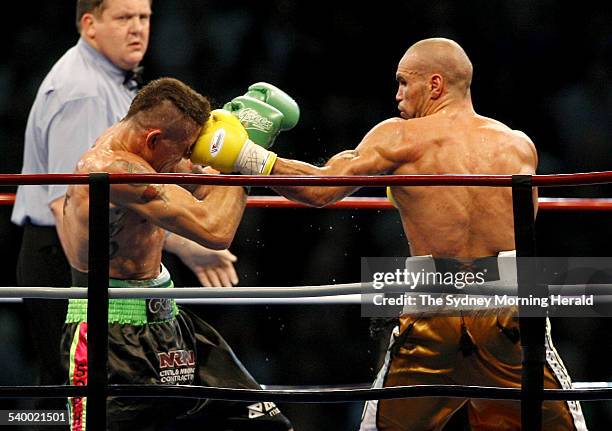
<point>348,290</point>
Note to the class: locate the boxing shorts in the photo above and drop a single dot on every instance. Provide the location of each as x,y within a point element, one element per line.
<point>155,342</point>
<point>472,347</point>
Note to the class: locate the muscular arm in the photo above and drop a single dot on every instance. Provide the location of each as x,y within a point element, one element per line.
<point>210,221</point>
<point>371,157</point>
<point>213,268</point>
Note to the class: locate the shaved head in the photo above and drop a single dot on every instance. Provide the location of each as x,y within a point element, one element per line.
<point>440,56</point>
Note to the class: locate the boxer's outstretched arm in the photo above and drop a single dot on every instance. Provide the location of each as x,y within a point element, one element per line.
<point>373,156</point>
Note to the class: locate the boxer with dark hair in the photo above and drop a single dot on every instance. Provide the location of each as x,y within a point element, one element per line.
<point>155,341</point>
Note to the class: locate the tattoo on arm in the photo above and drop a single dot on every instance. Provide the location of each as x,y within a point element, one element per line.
<point>151,191</point>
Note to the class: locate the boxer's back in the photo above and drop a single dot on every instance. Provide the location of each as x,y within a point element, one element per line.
<point>461,221</point>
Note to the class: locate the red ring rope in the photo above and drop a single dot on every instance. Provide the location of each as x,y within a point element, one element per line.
<point>545,204</point>
<point>590,178</point>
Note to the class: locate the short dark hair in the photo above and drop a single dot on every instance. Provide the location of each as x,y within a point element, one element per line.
<point>188,101</point>
<point>89,6</point>
<point>86,6</point>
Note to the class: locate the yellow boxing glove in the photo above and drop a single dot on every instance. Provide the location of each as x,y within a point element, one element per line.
<point>225,145</point>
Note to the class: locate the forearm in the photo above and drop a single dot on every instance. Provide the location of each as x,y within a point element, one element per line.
<point>185,166</point>
<point>225,209</point>
<point>310,195</point>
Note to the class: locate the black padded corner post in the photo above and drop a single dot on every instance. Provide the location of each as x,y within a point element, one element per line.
<point>97,305</point>
<point>532,318</point>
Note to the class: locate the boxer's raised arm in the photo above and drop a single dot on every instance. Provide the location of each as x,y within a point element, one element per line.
<point>211,221</point>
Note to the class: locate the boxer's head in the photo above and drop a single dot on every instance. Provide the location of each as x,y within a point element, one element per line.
<point>168,115</point>
<point>430,70</point>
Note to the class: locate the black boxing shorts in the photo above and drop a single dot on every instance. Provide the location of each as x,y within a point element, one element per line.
<point>153,341</point>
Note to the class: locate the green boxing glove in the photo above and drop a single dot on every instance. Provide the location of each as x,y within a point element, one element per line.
<point>276,97</point>
<point>264,111</point>
<point>261,121</point>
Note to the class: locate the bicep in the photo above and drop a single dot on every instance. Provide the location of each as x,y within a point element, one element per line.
<point>374,155</point>
<point>369,158</point>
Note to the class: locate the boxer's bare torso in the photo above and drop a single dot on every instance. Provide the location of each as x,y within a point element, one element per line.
<point>439,133</point>
<point>442,221</point>
<point>135,243</point>
<point>140,213</point>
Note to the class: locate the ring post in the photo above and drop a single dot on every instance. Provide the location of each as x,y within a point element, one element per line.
<point>532,328</point>
<point>97,304</point>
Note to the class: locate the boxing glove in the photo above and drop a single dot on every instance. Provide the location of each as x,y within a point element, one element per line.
<point>261,121</point>
<point>224,145</point>
<point>265,111</point>
<point>276,97</point>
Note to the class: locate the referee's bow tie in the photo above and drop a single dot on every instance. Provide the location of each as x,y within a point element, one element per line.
<point>133,78</point>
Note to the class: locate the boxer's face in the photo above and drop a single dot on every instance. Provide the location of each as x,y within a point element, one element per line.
<point>120,31</point>
<point>411,92</point>
<point>170,150</point>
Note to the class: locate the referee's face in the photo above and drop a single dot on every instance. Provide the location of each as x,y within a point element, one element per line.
<point>121,31</point>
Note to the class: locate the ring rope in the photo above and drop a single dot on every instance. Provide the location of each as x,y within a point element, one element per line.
<point>310,395</point>
<point>98,354</point>
<point>590,178</point>
<point>378,203</point>
<point>602,290</point>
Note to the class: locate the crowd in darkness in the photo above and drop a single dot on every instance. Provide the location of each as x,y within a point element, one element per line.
<point>543,67</point>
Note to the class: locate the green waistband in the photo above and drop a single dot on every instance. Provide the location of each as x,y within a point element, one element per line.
<point>132,311</point>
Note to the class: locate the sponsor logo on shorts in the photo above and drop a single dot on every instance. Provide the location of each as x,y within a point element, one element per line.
<point>176,358</point>
<point>177,367</point>
<point>216,142</point>
<point>162,306</point>
<point>258,410</point>
<point>251,119</point>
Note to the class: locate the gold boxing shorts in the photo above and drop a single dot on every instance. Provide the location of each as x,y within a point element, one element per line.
<point>478,347</point>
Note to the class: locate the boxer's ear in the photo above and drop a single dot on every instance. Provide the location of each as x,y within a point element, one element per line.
<point>152,138</point>
<point>436,85</point>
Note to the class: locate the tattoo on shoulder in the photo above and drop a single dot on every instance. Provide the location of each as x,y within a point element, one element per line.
<point>152,192</point>
<point>128,167</point>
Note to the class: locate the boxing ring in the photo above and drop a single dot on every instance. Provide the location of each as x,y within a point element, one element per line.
<point>531,394</point>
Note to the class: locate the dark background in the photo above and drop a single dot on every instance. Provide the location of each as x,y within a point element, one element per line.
<point>539,66</point>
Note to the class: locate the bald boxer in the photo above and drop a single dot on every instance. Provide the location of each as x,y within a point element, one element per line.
<point>153,341</point>
<point>440,133</point>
